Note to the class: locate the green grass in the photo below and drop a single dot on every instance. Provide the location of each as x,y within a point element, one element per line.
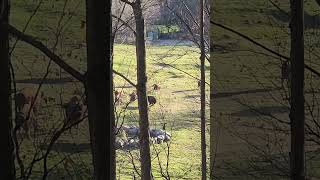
<point>236,70</point>
<point>178,100</point>
<point>244,67</point>
<point>178,105</point>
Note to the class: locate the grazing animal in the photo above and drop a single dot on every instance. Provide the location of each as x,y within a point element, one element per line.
<point>24,123</point>
<point>27,105</point>
<point>152,100</point>
<point>133,97</point>
<point>118,97</point>
<point>156,87</point>
<point>285,71</point>
<point>27,96</point>
<point>73,110</point>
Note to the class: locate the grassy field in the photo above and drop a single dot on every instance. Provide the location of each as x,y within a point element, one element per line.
<point>177,101</point>
<point>250,104</point>
<point>248,100</point>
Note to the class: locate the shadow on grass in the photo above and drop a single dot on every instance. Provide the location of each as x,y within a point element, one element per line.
<point>46,81</point>
<point>182,91</point>
<point>311,21</point>
<point>175,75</point>
<point>229,94</point>
<point>132,108</point>
<point>71,147</point>
<point>192,96</point>
<point>124,87</point>
<point>263,110</point>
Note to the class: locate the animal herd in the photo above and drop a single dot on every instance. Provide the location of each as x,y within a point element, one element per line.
<point>119,96</point>
<point>129,137</point>
<point>28,102</point>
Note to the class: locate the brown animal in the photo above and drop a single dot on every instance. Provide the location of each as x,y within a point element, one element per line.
<point>73,110</point>
<point>24,123</point>
<point>27,96</point>
<point>27,109</point>
<point>118,97</point>
<point>152,100</point>
<point>285,71</point>
<point>133,97</point>
<point>156,87</point>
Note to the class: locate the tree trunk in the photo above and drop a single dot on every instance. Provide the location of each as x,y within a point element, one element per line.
<point>142,92</point>
<point>99,84</point>
<point>203,95</point>
<point>297,91</point>
<point>212,147</point>
<point>7,170</point>
<point>113,165</point>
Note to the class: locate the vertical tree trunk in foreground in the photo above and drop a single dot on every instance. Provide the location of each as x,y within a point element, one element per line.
<point>99,84</point>
<point>142,93</point>
<point>297,91</point>
<point>212,147</point>
<point>202,95</point>
<point>7,170</point>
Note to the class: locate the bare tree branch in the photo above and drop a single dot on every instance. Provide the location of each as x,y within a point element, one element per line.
<point>262,46</point>
<point>124,23</point>
<point>39,45</point>
<point>125,78</point>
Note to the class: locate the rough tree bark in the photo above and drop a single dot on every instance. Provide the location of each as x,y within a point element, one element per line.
<point>297,113</point>
<point>7,170</point>
<point>142,93</point>
<point>144,136</point>
<point>212,148</point>
<point>98,87</point>
<point>202,94</point>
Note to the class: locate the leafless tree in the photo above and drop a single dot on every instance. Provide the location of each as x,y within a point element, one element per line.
<point>202,91</point>
<point>144,137</point>
<point>99,77</point>
<point>7,157</point>
<point>297,112</point>
<point>212,118</point>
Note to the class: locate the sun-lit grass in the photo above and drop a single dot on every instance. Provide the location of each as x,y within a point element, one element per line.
<point>178,99</point>
<point>241,67</point>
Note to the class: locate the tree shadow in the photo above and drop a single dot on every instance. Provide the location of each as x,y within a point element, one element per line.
<point>182,91</point>
<point>132,108</point>
<point>263,110</point>
<point>46,81</point>
<point>311,21</point>
<point>124,87</point>
<point>70,147</point>
<point>229,94</point>
<point>207,68</point>
<point>161,64</point>
<point>192,96</point>
<point>175,75</point>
